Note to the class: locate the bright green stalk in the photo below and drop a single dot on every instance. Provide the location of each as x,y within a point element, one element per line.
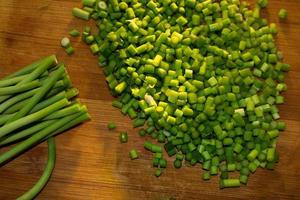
<point>82,118</point>
<point>47,102</point>
<point>29,68</point>
<point>40,94</point>
<point>36,189</point>
<point>12,107</point>
<point>5,118</point>
<point>19,88</point>
<point>36,138</point>
<point>82,14</point>
<point>54,91</point>
<point>34,69</point>
<point>25,133</point>
<point>42,68</point>
<point>12,81</point>
<point>66,111</point>
<point>12,101</point>
<point>8,128</point>
<point>68,94</point>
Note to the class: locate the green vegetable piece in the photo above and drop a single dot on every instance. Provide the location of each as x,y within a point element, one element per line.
<point>82,14</point>
<point>74,33</point>
<point>65,42</point>
<point>123,137</point>
<point>70,50</point>
<point>283,13</point>
<point>111,125</point>
<point>133,154</point>
<point>158,172</point>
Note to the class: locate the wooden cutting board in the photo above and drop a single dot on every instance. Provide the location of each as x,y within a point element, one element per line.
<point>91,162</point>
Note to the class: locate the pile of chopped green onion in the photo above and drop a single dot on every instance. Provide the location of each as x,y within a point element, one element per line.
<point>36,104</point>
<point>205,76</point>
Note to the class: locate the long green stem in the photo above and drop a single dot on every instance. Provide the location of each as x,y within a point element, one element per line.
<point>41,105</point>
<point>25,133</point>
<point>82,118</point>
<point>76,108</point>
<point>8,128</point>
<point>12,101</point>
<point>64,112</point>
<point>54,92</point>
<point>63,94</point>
<point>40,94</point>
<point>36,189</point>
<point>29,68</point>
<point>40,69</point>
<point>36,138</point>
<point>12,81</point>
<point>50,101</point>
<point>19,88</point>
<point>14,104</point>
<point>5,118</point>
<point>48,61</point>
<point>47,102</point>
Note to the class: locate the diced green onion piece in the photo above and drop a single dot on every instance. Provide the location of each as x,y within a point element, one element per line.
<point>82,14</point>
<point>111,125</point>
<point>74,33</point>
<point>65,42</point>
<point>70,50</point>
<point>123,137</point>
<point>283,13</point>
<point>231,183</point>
<point>133,154</point>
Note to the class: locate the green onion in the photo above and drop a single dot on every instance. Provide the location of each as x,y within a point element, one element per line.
<point>205,76</point>
<point>70,50</point>
<point>89,3</point>
<point>230,183</point>
<point>65,42</point>
<point>36,108</point>
<point>6,129</point>
<point>123,137</point>
<point>74,33</point>
<point>111,125</point>
<point>283,13</point>
<point>177,163</point>
<point>17,89</point>
<point>25,133</point>
<point>262,3</point>
<point>133,154</point>
<point>102,5</point>
<point>35,190</point>
<point>158,172</point>
<point>82,14</point>
<point>206,176</point>
<point>40,94</point>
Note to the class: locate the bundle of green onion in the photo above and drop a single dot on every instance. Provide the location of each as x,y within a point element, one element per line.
<point>37,103</point>
<point>204,74</point>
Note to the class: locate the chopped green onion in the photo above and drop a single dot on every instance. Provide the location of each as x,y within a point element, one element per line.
<point>70,50</point>
<point>206,76</point>
<point>65,42</point>
<point>158,172</point>
<point>82,14</point>
<point>283,13</point>
<point>133,154</point>
<point>111,125</point>
<point>123,137</point>
<point>74,33</point>
<point>231,183</point>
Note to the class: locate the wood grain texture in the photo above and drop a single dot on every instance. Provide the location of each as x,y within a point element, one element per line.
<point>91,163</point>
